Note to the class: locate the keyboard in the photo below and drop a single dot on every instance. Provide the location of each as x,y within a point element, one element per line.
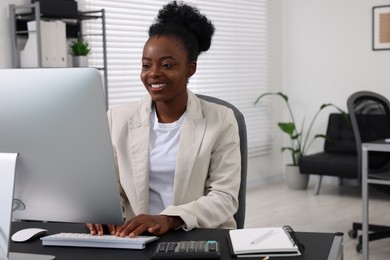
<point>104,241</point>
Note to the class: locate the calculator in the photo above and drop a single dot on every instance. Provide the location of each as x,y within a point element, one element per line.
<point>202,249</point>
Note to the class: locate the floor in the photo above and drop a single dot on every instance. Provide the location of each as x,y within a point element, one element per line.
<point>333,210</point>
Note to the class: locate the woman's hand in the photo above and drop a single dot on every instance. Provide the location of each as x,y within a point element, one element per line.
<point>97,229</point>
<point>154,224</point>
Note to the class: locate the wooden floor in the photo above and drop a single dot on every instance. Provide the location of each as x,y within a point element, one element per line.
<point>333,210</point>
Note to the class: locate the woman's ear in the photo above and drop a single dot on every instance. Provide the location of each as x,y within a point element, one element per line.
<point>191,69</point>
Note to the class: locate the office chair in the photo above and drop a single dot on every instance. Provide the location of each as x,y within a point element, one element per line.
<point>240,214</point>
<point>370,117</point>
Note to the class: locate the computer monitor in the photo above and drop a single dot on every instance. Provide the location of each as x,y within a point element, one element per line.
<point>55,119</point>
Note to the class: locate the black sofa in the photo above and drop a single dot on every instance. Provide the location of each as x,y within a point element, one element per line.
<point>339,158</point>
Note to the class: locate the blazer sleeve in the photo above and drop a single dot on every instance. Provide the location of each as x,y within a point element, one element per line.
<point>124,200</point>
<point>216,207</point>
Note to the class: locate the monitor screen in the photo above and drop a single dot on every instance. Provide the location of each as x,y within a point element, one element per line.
<point>55,119</point>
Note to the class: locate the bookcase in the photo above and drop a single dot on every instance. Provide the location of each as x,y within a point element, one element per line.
<point>21,15</point>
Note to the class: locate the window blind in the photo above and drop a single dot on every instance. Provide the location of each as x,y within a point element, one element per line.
<point>237,68</point>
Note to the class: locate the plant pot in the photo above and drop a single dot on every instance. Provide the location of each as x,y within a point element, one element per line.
<point>80,61</point>
<point>294,179</point>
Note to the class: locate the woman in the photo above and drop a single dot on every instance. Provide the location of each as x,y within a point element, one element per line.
<point>178,156</point>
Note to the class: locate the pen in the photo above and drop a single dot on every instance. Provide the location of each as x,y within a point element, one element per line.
<point>262,236</point>
<point>266,258</point>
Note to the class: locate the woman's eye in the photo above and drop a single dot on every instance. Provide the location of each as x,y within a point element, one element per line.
<point>145,66</point>
<point>166,65</point>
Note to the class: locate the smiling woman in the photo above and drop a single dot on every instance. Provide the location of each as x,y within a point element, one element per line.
<point>236,68</point>
<point>178,156</point>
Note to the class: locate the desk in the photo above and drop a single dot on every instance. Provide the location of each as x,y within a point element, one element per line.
<point>319,246</point>
<point>379,146</point>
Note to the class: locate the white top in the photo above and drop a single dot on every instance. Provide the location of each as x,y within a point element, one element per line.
<point>164,143</point>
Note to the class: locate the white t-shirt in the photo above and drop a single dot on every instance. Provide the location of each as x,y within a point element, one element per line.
<point>164,142</point>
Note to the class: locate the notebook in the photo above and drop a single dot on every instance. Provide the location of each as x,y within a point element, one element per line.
<point>7,177</point>
<point>261,242</point>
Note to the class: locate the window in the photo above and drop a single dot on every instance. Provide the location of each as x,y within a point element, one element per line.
<point>237,67</point>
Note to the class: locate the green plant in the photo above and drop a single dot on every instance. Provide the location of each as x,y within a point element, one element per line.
<point>79,47</point>
<point>299,139</point>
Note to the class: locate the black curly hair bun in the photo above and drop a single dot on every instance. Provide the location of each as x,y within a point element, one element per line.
<point>184,22</point>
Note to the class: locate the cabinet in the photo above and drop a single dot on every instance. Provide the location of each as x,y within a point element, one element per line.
<point>20,15</point>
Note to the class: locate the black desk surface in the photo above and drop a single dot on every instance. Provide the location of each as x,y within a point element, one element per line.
<point>318,245</point>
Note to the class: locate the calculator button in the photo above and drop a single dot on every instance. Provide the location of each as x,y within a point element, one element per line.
<point>171,247</point>
<point>183,246</point>
<point>162,247</point>
<point>212,246</point>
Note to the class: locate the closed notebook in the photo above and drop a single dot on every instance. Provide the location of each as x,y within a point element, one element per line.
<point>270,241</point>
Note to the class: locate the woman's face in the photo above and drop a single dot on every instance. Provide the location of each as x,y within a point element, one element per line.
<point>165,69</point>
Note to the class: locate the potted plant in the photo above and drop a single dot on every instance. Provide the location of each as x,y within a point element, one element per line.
<point>79,49</point>
<point>300,141</point>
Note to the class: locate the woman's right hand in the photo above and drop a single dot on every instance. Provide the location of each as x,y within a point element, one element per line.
<point>97,229</point>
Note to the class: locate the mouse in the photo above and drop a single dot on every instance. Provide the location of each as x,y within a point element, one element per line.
<point>28,234</point>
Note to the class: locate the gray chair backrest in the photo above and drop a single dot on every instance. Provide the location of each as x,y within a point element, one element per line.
<point>240,214</point>
<point>370,117</point>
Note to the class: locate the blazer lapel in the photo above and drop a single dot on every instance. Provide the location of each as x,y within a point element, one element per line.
<point>191,138</point>
<point>138,143</point>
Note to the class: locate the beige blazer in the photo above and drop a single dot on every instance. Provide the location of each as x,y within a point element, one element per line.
<point>207,175</point>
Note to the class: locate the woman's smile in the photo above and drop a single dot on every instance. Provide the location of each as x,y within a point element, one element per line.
<point>158,86</point>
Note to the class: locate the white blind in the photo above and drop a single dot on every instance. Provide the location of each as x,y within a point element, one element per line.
<point>237,68</point>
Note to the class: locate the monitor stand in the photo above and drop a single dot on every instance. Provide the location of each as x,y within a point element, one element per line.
<point>24,256</point>
<point>7,171</point>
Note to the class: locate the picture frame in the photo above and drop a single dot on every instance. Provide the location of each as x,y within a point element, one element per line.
<point>381,27</point>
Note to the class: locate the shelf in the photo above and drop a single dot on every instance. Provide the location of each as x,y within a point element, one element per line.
<point>74,29</point>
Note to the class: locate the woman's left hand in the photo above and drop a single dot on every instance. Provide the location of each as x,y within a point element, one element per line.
<point>154,224</point>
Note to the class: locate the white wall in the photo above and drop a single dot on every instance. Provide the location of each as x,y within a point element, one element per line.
<point>322,54</point>
<point>327,54</point>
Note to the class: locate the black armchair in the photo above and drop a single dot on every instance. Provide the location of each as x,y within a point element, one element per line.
<point>339,158</point>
